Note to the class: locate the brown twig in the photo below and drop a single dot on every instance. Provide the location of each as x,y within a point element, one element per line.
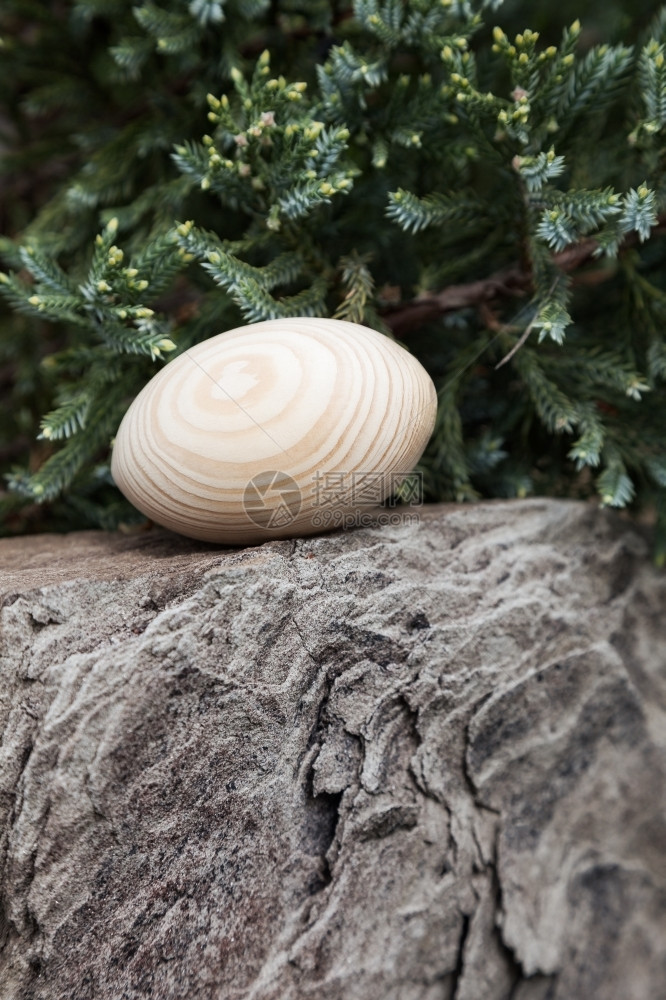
<point>510,281</point>
<point>521,340</point>
<point>410,315</point>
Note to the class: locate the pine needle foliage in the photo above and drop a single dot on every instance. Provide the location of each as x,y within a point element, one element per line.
<point>492,195</point>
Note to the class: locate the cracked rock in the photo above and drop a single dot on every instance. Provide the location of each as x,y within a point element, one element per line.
<point>413,762</point>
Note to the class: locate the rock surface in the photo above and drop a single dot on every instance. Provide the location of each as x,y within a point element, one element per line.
<point>415,762</point>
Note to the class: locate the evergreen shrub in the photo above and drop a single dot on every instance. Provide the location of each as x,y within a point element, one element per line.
<point>492,195</point>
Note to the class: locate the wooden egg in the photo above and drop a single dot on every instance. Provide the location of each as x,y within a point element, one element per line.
<point>283,428</point>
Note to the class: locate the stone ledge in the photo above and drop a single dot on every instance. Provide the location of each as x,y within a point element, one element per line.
<point>404,763</point>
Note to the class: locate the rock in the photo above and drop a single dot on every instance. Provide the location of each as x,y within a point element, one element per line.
<point>411,762</point>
